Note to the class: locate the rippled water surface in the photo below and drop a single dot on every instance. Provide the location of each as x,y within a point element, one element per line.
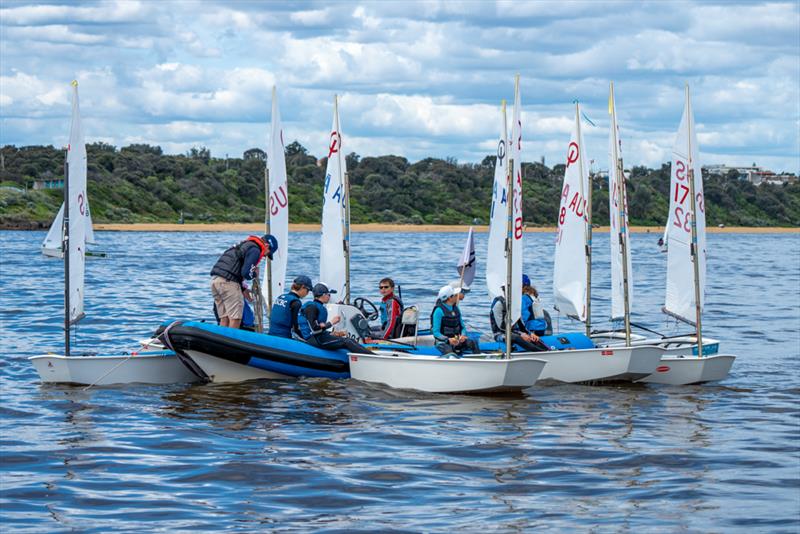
<point>341,455</point>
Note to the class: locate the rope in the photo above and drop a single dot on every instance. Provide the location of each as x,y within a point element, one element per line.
<point>108,372</point>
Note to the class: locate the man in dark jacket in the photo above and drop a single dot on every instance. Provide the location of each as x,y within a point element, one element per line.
<point>237,264</point>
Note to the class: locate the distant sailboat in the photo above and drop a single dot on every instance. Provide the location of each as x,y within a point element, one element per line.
<point>159,367</point>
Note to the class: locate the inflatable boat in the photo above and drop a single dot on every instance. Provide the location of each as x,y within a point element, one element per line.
<point>221,354</point>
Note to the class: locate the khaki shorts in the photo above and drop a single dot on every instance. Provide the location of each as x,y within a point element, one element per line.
<point>228,298</point>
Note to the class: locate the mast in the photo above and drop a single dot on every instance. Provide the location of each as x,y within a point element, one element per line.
<point>345,206</point>
<point>268,217</point>
<point>509,232</point>
<point>693,250</point>
<point>621,218</point>
<point>588,227</point>
<point>65,247</point>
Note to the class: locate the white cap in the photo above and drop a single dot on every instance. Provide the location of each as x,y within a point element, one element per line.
<point>459,284</point>
<point>448,291</point>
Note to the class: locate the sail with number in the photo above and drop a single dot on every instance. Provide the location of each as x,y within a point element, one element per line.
<point>515,152</point>
<point>78,212</point>
<point>332,269</point>
<point>569,266</point>
<point>278,204</point>
<point>498,216</point>
<point>680,299</point>
<point>618,215</point>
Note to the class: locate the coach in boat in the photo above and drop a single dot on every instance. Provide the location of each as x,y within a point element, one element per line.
<point>237,264</point>
<point>283,317</point>
<point>520,335</point>
<point>447,326</point>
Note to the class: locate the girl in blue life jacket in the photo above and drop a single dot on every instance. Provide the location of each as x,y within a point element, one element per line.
<point>532,310</point>
<point>447,326</point>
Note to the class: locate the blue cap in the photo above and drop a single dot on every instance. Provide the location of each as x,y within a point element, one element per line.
<point>526,281</point>
<point>321,289</point>
<point>270,240</point>
<point>304,281</point>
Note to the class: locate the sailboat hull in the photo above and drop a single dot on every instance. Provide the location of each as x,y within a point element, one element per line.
<point>433,374</point>
<point>618,364</point>
<point>158,367</point>
<point>684,370</point>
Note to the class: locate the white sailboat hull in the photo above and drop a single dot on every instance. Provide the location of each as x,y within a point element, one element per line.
<point>219,370</point>
<point>618,364</point>
<point>443,375</point>
<point>680,363</point>
<point>160,367</point>
<point>683,370</point>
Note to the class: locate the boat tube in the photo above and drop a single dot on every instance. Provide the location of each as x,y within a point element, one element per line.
<point>221,354</point>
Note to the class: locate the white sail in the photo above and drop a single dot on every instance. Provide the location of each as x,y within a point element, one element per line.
<point>680,300</point>
<point>76,177</point>
<point>515,309</point>
<point>89,224</point>
<point>569,266</point>
<point>498,216</point>
<point>331,254</point>
<point>467,264</point>
<point>278,201</point>
<point>618,215</point>
<point>51,246</point>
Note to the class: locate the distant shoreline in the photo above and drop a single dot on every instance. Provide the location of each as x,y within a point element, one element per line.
<point>399,228</point>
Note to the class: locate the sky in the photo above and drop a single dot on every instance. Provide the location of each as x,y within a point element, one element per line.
<point>415,79</point>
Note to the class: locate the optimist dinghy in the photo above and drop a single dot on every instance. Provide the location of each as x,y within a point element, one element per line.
<point>156,367</point>
<point>687,359</point>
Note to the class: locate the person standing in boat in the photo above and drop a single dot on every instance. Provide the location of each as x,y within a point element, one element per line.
<point>391,309</point>
<point>314,324</point>
<point>533,315</point>
<point>520,336</point>
<point>447,326</point>
<point>286,309</point>
<point>237,264</point>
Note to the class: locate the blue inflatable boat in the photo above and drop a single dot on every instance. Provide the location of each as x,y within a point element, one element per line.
<point>221,354</point>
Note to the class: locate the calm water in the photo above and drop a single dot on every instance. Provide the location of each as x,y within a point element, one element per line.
<point>336,456</point>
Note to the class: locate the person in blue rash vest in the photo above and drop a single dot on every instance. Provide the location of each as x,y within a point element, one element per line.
<point>284,312</point>
<point>447,325</point>
<point>237,264</point>
<point>532,311</point>
<point>314,325</point>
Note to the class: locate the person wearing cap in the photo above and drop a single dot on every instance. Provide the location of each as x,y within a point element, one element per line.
<point>314,324</point>
<point>283,315</point>
<point>464,289</point>
<point>237,264</point>
<point>520,336</point>
<point>447,326</point>
<point>533,315</point>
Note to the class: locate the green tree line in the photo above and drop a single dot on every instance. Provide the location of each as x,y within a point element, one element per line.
<point>139,183</point>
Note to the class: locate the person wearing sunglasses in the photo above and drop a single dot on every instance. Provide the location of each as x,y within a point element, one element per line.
<point>391,310</point>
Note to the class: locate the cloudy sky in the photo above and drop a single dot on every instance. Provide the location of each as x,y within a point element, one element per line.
<point>416,79</point>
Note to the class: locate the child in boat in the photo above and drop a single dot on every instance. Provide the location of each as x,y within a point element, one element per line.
<point>314,325</point>
<point>391,310</point>
<point>533,314</point>
<point>520,336</point>
<point>447,325</point>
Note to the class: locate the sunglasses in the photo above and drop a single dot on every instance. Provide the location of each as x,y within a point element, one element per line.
<point>384,287</point>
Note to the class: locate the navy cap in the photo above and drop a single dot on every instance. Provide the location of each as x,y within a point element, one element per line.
<point>304,281</point>
<point>321,289</point>
<point>526,281</point>
<point>270,240</point>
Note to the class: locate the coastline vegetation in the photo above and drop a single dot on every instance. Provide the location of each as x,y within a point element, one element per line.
<point>140,184</point>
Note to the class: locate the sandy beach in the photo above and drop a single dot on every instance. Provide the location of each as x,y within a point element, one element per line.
<point>375,227</point>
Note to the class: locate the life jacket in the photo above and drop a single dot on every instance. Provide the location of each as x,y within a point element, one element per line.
<point>398,325</point>
<point>538,323</point>
<point>306,329</point>
<point>280,317</point>
<point>451,320</point>
<point>230,263</point>
<point>500,329</point>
